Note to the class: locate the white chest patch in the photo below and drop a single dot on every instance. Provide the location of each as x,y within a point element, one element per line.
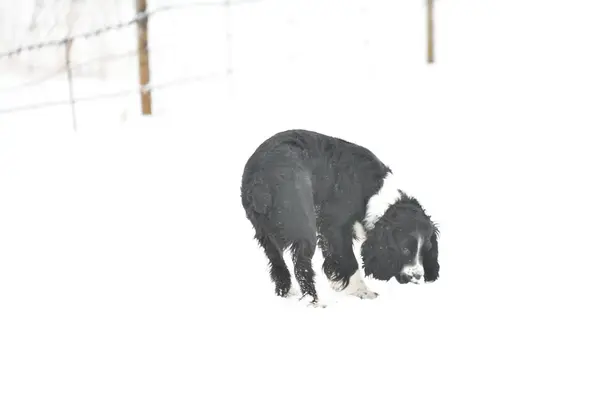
<point>359,231</point>
<point>382,200</point>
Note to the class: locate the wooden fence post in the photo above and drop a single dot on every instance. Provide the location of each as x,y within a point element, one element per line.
<point>144,61</point>
<point>430,49</point>
<point>68,45</point>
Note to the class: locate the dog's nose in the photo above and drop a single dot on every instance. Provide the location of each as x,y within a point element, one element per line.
<point>417,276</point>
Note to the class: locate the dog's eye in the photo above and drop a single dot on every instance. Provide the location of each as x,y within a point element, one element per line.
<point>406,251</point>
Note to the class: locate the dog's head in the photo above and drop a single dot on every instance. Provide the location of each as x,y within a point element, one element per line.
<point>402,245</point>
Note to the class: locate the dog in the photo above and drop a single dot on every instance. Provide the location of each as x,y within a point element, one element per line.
<point>302,189</point>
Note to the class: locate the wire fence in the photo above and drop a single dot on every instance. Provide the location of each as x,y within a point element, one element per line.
<point>121,25</point>
<point>67,68</point>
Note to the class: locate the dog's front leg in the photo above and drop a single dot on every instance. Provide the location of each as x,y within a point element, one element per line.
<point>340,265</point>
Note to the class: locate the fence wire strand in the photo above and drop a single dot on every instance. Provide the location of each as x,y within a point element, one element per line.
<point>121,25</point>
<point>120,93</point>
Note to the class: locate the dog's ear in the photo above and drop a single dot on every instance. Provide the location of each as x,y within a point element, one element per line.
<point>377,258</point>
<point>430,259</point>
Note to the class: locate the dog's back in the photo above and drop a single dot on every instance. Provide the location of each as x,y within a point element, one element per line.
<point>324,159</point>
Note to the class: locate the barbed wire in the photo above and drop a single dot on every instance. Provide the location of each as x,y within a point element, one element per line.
<point>121,93</point>
<point>121,25</point>
<point>138,89</point>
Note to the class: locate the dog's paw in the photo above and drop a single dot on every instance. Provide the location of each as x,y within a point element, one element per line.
<point>317,305</point>
<point>287,293</point>
<point>293,292</point>
<point>365,294</point>
<point>309,301</point>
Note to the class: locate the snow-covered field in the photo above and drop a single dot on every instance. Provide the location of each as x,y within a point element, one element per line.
<point>128,270</point>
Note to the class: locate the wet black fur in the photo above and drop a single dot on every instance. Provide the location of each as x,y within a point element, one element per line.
<point>396,230</point>
<point>301,189</point>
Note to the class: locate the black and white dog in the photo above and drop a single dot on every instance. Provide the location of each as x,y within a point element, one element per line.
<point>302,188</point>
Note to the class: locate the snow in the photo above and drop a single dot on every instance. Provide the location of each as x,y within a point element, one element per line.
<point>128,270</point>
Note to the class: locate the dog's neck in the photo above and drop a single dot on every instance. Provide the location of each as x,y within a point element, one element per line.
<point>388,194</point>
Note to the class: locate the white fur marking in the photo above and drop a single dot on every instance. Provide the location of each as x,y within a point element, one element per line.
<point>356,287</point>
<point>416,268</point>
<point>379,203</point>
<point>359,231</point>
<point>356,283</point>
<point>293,292</point>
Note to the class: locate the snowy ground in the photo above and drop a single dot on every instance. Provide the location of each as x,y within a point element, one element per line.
<point>128,271</point>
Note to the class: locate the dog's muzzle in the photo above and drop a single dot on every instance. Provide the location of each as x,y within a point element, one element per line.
<point>411,274</point>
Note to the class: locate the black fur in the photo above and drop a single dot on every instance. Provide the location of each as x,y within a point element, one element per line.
<point>396,230</point>
<point>301,189</point>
